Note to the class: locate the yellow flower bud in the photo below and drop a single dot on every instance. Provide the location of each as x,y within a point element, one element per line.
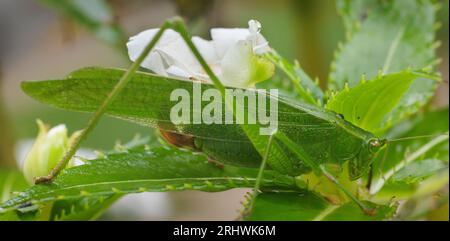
<point>47,150</point>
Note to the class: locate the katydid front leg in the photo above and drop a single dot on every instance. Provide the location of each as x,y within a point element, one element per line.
<point>175,24</point>
<point>171,23</point>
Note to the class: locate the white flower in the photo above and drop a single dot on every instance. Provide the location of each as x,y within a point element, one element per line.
<point>233,54</point>
<point>47,150</point>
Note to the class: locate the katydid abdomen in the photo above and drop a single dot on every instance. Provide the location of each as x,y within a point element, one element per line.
<point>324,135</point>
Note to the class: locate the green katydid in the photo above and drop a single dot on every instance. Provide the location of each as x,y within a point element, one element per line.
<point>307,138</point>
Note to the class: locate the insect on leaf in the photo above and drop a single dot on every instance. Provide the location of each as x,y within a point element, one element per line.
<point>325,136</point>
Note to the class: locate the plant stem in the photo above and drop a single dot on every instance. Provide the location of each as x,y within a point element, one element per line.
<point>260,175</point>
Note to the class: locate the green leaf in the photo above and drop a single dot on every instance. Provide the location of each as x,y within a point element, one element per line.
<point>156,170</point>
<point>300,83</point>
<point>369,104</point>
<point>423,144</point>
<point>94,15</point>
<point>306,206</point>
<point>388,36</point>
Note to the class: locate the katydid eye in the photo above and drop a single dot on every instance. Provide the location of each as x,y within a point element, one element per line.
<point>375,144</point>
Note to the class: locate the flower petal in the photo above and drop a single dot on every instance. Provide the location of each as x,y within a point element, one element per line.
<point>260,44</point>
<point>53,147</point>
<point>177,53</point>
<point>206,49</point>
<point>230,54</point>
<point>137,43</point>
<point>47,150</point>
<point>154,61</point>
<point>254,27</point>
<point>224,38</point>
<point>243,68</point>
<point>178,72</point>
<point>236,65</point>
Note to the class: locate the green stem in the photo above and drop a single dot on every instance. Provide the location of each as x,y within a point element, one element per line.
<point>260,175</point>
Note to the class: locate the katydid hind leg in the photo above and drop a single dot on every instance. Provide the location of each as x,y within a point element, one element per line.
<point>256,188</point>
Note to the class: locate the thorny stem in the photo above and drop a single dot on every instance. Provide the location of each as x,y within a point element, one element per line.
<point>102,108</point>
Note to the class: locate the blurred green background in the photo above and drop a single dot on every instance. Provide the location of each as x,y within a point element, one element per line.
<point>38,41</point>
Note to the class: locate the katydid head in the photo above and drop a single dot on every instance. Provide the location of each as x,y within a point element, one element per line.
<point>359,165</point>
